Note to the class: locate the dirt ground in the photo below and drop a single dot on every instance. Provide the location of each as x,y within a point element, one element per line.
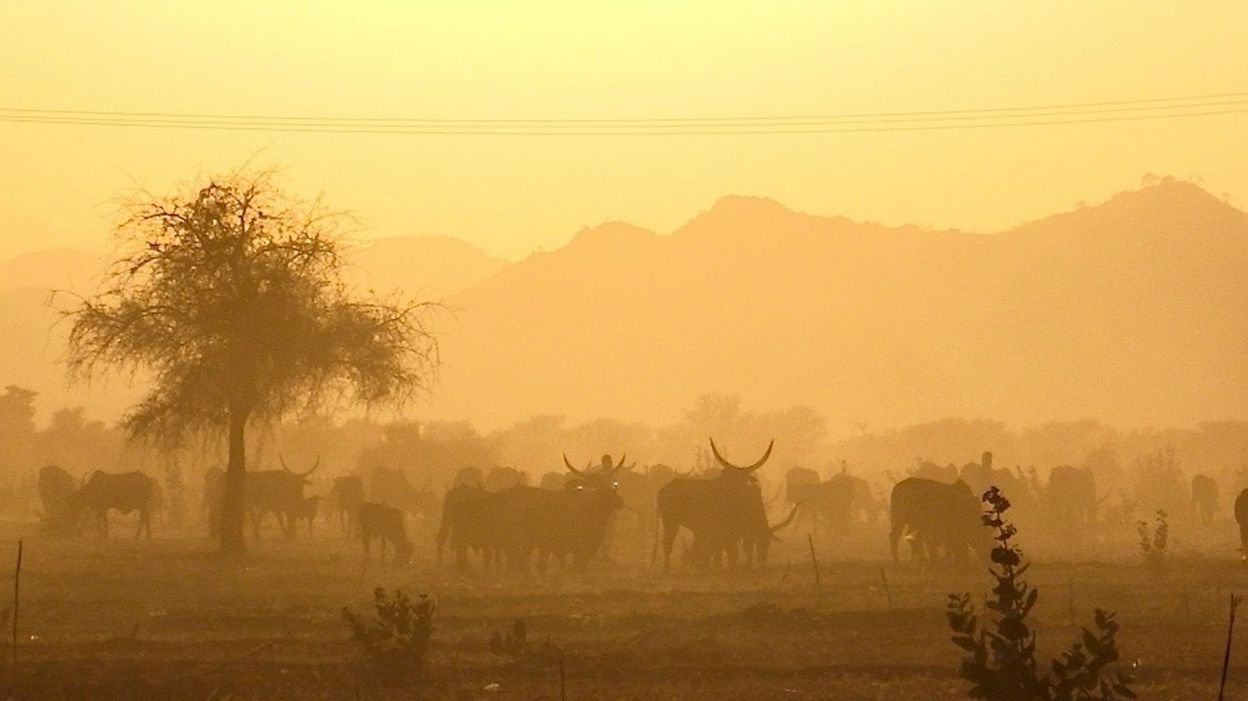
<point>167,619</point>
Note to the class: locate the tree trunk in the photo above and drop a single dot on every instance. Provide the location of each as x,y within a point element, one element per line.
<point>233,505</point>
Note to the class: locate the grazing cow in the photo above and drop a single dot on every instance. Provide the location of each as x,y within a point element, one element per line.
<point>126,492</point>
<point>1071,496</point>
<point>346,495</point>
<point>1205,497</point>
<point>386,524</point>
<point>835,503</point>
<point>938,517</point>
<point>500,478</point>
<point>1241,517</point>
<point>391,487</point>
<point>722,512</point>
<point>279,492</point>
<point>56,487</point>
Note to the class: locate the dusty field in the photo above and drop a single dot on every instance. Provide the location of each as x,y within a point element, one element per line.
<point>166,619</point>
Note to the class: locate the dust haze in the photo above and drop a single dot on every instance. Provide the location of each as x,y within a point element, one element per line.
<point>677,394</point>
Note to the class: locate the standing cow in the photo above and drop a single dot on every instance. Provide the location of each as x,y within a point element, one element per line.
<point>936,518</point>
<point>346,496</point>
<point>126,492</point>
<point>384,523</point>
<point>1071,497</point>
<point>723,512</point>
<point>277,492</point>
<point>1204,497</point>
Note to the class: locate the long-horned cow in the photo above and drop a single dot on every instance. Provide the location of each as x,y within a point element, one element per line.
<point>279,492</point>
<point>724,513</point>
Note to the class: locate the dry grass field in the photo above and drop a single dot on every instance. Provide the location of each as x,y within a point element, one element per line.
<point>166,619</point>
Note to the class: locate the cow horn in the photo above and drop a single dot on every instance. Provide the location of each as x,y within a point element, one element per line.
<point>571,469</point>
<point>616,467</point>
<point>747,468</point>
<point>787,521</point>
<point>305,475</point>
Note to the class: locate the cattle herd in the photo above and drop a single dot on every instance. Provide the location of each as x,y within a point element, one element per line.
<point>496,521</point>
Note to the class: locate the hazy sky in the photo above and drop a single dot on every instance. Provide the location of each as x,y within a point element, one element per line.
<point>477,59</point>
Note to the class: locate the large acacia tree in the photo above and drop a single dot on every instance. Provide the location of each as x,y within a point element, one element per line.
<point>232,296</point>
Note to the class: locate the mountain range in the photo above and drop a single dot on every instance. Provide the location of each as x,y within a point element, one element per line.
<point>1131,311</point>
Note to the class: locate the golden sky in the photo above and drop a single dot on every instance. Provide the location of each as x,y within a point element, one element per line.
<point>496,59</point>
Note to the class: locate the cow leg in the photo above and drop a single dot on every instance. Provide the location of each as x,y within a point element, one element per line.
<point>894,536</point>
<point>669,540</point>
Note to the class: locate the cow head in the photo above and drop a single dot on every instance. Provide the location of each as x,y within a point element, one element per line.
<point>602,478</point>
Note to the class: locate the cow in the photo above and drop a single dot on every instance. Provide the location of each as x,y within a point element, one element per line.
<point>472,519</point>
<point>500,478</point>
<point>384,523</point>
<point>126,492</point>
<point>392,488</point>
<point>835,503</point>
<point>509,527</point>
<point>1071,496</point>
<point>56,486</point>
<point>345,497</point>
<point>722,511</point>
<point>1204,497</point>
<point>1241,517</point>
<point>937,517</point>
<point>279,492</point>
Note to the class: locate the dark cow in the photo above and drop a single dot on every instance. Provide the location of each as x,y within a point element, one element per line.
<point>936,517</point>
<point>1204,497</point>
<point>472,519</point>
<point>56,487</point>
<point>277,492</point>
<point>1071,496</point>
<point>510,527</point>
<point>384,523</point>
<point>346,496</point>
<point>392,488</point>
<point>126,492</point>
<point>722,512</point>
<point>500,478</point>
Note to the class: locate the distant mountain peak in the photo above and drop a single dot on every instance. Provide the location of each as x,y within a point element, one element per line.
<point>612,233</point>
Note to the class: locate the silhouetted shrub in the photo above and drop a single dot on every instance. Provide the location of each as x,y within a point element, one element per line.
<point>1001,663</point>
<point>395,644</point>
<point>1153,544</point>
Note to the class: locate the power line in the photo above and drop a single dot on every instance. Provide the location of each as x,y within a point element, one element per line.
<point>994,117</point>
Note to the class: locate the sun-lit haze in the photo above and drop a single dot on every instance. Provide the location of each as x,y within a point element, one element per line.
<point>514,60</point>
<point>500,350</point>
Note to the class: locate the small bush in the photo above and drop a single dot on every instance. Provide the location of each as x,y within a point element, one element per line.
<point>1153,544</point>
<point>395,644</point>
<point>1001,663</point>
